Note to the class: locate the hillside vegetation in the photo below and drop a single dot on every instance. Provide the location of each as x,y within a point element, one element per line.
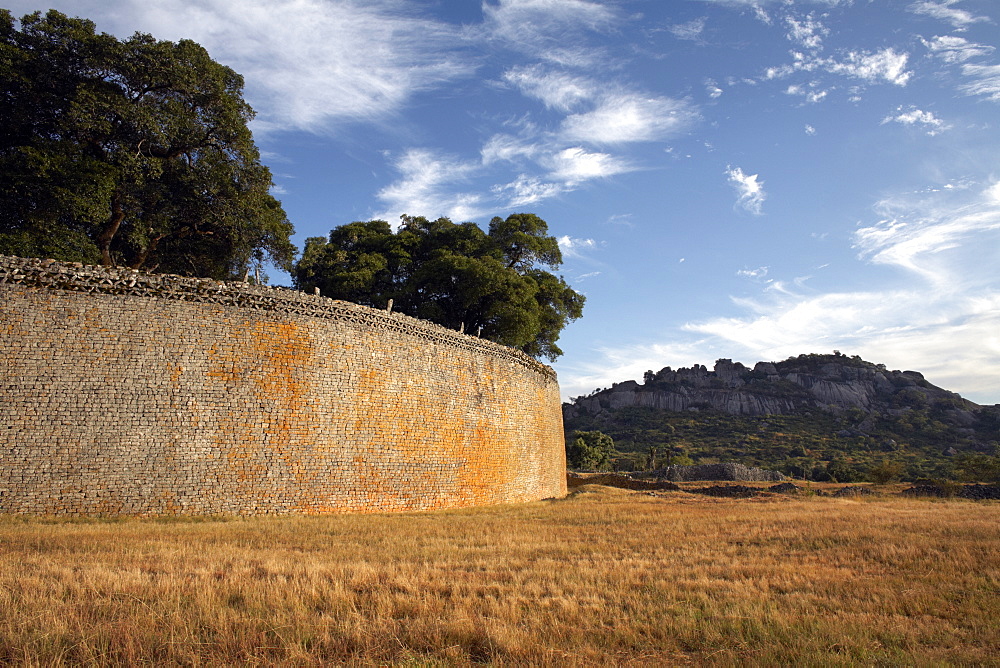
<point>814,416</point>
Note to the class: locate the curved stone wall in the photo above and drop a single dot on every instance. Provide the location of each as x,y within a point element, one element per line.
<point>131,393</point>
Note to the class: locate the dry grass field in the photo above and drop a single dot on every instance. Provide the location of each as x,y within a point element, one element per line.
<point>605,577</point>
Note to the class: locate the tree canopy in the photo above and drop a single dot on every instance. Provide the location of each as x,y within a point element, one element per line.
<point>129,152</point>
<point>590,450</point>
<point>493,283</point>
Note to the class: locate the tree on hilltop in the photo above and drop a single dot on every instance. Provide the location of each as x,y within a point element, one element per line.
<point>491,283</point>
<point>129,152</point>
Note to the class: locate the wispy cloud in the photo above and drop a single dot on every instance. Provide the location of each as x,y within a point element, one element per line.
<point>572,247</point>
<point>431,185</point>
<point>759,272</point>
<point>559,158</point>
<point>621,219</point>
<point>690,31</point>
<point>887,65</point>
<point>508,148</point>
<point>628,117</point>
<point>807,32</point>
<point>527,190</point>
<point>946,11</point>
<point>556,90</point>
<point>953,49</point>
<point>812,92</point>
<point>575,165</point>
<point>915,231</point>
<point>756,6</point>
<point>749,191</point>
<point>913,116</point>
<point>551,30</point>
<point>985,81</point>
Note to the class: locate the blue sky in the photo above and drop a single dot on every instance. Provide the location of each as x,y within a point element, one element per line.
<point>747,179</point>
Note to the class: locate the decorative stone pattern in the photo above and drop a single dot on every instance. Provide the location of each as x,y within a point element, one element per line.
<point>139,394</point>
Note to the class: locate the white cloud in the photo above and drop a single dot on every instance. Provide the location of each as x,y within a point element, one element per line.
<point>527,190</point>
<point>505,147</point>
<point>953,49</point>
<point>885,64</point>
<point>556,161</point>
<point>759,272</point>
<point>985,81</point>
<point>914,233</point>
<point>778,72</point>
<point>628,117</point>
<point>713,89</point>
<point>750,192</point>
<point>811,93</point>
<point>556,90</point>
<point>428,188</point>
<point>576,165</point>
<point>810,130</point>
<point>943,10</point>
<point>552,30</point>
<point>915,116</point>
<point>691,30</point>
<point>621,219</point>
<point>571,247</point>
<point>808,32</point>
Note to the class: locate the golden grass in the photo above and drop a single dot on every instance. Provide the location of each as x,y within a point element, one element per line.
<point>603,577</point>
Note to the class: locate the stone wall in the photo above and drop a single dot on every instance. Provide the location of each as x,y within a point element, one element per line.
<point>130,393</point>
<point>725,471</point>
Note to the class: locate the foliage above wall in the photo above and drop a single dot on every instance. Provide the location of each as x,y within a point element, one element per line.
<point>132,152</point>
<point>490,283</point>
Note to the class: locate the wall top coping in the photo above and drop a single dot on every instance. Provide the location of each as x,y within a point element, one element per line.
<point>77,277</point>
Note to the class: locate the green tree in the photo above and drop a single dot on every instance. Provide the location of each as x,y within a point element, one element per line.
<point>840,471</point>
<point>590,450</point>
<point>491,283</point>
<point>885,472</point>
<point>978,467</point>
<point>682,460</point>
<point>129,152</point>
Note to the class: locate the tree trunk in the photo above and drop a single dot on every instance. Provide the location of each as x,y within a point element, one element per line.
<point>111,229</point>
<point>146,252</point>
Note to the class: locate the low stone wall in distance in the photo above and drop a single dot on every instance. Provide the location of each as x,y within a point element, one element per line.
<point>725,471</point>
<point>130,393</point>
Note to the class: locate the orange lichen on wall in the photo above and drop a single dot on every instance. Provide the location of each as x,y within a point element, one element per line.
<point>148,404</point>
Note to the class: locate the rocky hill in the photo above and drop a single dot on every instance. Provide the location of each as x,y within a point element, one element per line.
<point>820,408</point>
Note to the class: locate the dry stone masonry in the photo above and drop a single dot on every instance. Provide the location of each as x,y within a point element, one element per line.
<point>131,393</point>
